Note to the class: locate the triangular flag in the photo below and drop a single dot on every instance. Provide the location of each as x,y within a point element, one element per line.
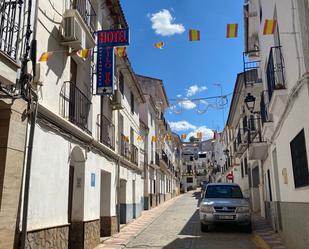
<point>153,139</point>
<point>159,45</point>
<point>168,137</point>
<point>45,56</point>
<point>183,136</point>
<point>126,138</point>
<point>139,138</point>
<point>121,51</point>
<point>83,53</point>
<point>232,30</point>
<point>194,35</point>
<point>269,27</point>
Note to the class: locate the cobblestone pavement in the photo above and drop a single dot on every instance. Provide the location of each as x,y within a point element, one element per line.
<point>178,227</point>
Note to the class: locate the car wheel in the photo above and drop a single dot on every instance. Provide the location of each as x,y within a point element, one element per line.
<point>204,228</point>
<point>248,228</point>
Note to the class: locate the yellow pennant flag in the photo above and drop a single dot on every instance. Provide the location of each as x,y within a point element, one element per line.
<point>126,138</point>
<point>269,27</point>
<point>194,35</point>
<point>168,137</point>
<point>153,139</point>
<point>45,56</point>
<point>139,138</point>
<point>83,53</point>
<point>121,51</point>
<point>199,135</point>
<point>183,136</point>
<point>159,45</point>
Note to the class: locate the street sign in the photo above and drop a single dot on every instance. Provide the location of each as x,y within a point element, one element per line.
<point>229,176</point>
<point>105,70</point>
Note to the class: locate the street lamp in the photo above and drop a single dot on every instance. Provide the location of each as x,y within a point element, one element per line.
<point>250,102</point>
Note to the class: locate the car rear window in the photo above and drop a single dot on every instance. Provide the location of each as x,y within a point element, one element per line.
<point>223,191</point>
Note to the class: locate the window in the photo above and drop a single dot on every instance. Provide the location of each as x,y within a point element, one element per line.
<point>246,165</point>
<point>121,83</point>
<point>242,169</point>
<point>189,179</point>
<point>202,155</point>
<point>132,102</point>
<point>223,191</point>
<point>299,160</point>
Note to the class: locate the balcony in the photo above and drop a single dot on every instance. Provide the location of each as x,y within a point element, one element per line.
<point>252,74</point>
<point>266,117</point>
<point>10,20</point>
<point>258,147</point>
<point>133,154</point>
<point>124,147</point>
<point>105,131</point>
<point>75,105</point>
<point>277,92</point>
<point>87,12</point>
<point>241,141</point>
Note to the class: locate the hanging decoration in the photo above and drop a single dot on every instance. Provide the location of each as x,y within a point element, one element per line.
<point>199,135</point>
<point>194,35</point>
<point>159,45</point>
<point>121,51</point>
<point>269,27</point>
<point>139,138</point>
<point>183,136</point>
<point>45,56</point>
<point>232,30</point>
<point>153,139</point>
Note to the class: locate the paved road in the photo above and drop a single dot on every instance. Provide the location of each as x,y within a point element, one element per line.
<point>179,227</point>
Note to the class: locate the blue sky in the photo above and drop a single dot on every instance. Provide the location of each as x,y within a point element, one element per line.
<point>187,68</point>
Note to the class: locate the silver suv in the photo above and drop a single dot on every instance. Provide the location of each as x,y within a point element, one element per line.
<point>224,203</point>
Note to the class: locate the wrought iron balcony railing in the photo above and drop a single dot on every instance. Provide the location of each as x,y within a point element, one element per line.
<point>157,159</point>
<point>264,107</point>
<point>251,68</point>
<point>75,105</point>
<point>10,21</point>
<point>124,146</point>
<point>134,154</point>
<point>275,71</point>
<point>105,131</point>
<point>87,12</point>
<point>164,157</point>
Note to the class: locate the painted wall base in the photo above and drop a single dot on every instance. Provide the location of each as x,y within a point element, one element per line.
<point>294,221</point>
<point>108,226</point>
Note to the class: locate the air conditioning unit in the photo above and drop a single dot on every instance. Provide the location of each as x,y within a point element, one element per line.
<point>116,101</point>
<point>72,32</point>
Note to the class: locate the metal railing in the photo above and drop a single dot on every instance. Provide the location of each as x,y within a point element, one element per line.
<point>87,12</point>
<point>105,131</point>
<point>275,71</point>
<point>164,157</point>
<point>251,68</point>
<point>75,105</point>
<point>157,159</point>
<point>264,107</point>
<point>254,131</point>
<point>10,21</point>
<point>134,154</point>
<point>124,146</point>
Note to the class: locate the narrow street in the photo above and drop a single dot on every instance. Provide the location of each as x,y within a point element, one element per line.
<point>179,227</point>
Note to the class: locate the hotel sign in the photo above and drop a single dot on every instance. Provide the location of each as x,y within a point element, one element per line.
<point>107,40</point>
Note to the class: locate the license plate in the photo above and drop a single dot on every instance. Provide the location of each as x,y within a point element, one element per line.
<point>226,217</point>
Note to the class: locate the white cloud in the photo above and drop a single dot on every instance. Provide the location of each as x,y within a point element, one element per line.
<point>179,95</point>
<point>194,89</point>
<point>181,126</point>
<point>206,132</point>
<point>187,104</point>
<point>162,24</point>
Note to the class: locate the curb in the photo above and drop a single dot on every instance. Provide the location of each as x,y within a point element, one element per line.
<point>260,242</point>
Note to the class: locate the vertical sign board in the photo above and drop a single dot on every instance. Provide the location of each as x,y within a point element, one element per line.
<point>107,40</point>
<point>92,179</point>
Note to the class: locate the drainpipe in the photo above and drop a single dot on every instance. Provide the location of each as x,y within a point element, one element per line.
<point>33,109</point>
<point>118,194</point>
